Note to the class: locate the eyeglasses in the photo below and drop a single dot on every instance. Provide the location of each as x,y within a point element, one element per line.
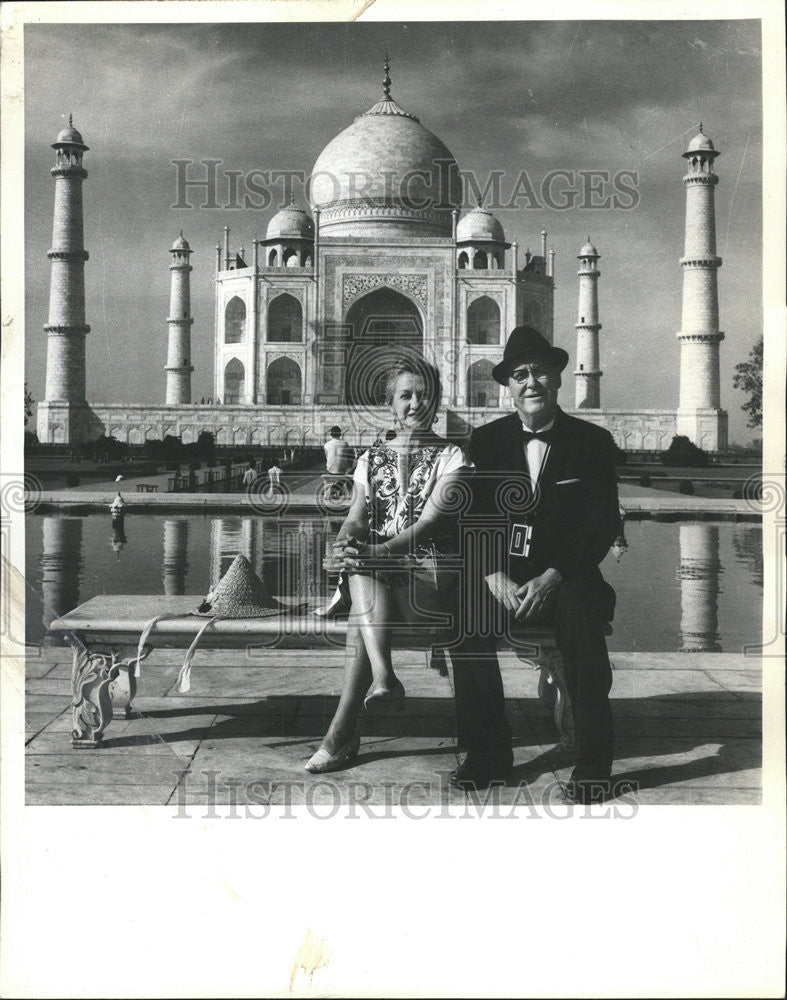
<point>523,373</point>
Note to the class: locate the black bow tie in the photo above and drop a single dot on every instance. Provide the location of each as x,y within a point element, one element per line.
<point>529,436</point>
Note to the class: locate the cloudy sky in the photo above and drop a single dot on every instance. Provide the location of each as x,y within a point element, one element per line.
<point>508,96</point>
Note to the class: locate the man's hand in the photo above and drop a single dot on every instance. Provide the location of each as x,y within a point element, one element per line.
<point>536,596</point>
<point>503,589</point>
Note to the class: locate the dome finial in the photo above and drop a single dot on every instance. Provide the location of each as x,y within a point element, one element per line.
<point>70,120</point>
<point>701,128</point>
<point>387,79</point>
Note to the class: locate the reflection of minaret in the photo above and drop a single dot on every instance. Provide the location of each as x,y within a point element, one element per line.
<point>175,564</point>
<point>179,366</point>
<point>61,565</point>
<point>587,377</point>
<point>700,417</point>
<point>309,548</point>
<point>699,585</point>
<point>229,537</point>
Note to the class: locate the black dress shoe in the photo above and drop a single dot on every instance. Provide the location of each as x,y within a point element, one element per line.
<point>472,775</point>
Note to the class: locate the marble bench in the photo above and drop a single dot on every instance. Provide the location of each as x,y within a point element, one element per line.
<point>104,634</point>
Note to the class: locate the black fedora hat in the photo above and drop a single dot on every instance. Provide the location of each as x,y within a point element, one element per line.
<point>526,344</point>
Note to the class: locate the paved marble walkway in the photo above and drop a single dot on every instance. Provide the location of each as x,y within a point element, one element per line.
<point>688,732</point>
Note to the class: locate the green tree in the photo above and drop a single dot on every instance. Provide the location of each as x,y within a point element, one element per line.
<point>748,378</point>
<point>683,452</point>
<point>29,403</point>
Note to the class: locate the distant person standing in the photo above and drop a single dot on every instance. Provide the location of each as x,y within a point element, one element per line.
<point>274,478</point>
<point>250,476</point>
<point>339,456</point>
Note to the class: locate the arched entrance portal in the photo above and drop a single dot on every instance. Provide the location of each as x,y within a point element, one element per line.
<point>382,326</point>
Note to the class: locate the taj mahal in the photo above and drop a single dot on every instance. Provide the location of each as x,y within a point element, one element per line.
<point>307,321</point>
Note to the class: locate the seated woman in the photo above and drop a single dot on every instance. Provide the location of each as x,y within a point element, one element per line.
<point>402,493</point>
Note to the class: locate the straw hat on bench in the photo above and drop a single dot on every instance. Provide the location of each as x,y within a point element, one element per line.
<point>240,593</point>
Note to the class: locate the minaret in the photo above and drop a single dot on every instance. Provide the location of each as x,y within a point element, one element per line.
<point>587,376</point>
<point>179,366</point>
<point>699,415</point>
<point>66,327</point>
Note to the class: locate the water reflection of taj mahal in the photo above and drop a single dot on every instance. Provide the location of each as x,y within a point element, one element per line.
<point>287,553</point>
<point>306,322</point>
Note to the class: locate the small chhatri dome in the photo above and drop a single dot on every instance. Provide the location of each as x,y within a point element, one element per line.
<point>588,250</point>
<point>291,223</point>
<point>479,225</point>
<point>700,144</point>
<point>181,243</point>
<point>70,135</point>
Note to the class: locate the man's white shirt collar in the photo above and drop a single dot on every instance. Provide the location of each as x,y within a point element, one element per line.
<point>541,430</point>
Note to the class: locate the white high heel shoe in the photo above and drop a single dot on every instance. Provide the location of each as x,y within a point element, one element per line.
<point>381,697</point>
<point>323,761</point>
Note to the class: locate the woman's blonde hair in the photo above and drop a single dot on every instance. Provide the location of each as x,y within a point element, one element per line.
<point>423,369</point>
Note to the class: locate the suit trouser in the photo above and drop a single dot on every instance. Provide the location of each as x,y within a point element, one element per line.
<point>482,727</point>
<point>580,610</point>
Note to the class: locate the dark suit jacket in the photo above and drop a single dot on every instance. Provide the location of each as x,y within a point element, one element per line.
<point>574,513</point>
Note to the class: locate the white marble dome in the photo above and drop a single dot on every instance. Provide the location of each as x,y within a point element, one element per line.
<point>386,175</point>
<point>181,243</point>
<point>479,225</point>
<point>69,136</point>
<point>700,144</point>
<point>291,223</point>
<point>588,250</point>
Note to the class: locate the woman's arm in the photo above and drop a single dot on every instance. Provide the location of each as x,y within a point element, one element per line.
<point>441,503</point>
<point>356,524</point>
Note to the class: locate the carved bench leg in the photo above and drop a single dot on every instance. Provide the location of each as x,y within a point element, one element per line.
<point>553,692</point>
<point>124,687</point>
<point>98,682</point>
<point>91,676</point>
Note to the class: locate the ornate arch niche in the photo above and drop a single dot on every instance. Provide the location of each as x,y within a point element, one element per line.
<point>482,390</point>
<point>283,383</point>
<point>483,321</point>
<point>235,321</point>
<point>285,319</point>
<point>234,382</point>
<point>382,326</point>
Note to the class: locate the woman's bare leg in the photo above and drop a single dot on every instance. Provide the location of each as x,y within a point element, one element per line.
<point>367,656</point>
<point>373,610</point>
<point>357,678</point>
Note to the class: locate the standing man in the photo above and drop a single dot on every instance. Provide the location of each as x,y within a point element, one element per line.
<point>339,455</point>
<point>274,478</point>
<point>548,480</point>
<point>250,476</point>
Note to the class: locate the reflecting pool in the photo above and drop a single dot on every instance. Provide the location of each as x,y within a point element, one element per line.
<point>691,586</point>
